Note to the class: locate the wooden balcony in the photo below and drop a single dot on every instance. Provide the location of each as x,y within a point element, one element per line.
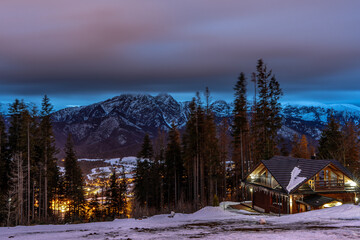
<point>265,181</point>
<point>327,185</point>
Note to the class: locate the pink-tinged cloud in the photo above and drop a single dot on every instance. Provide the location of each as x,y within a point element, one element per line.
<point>98,46</point>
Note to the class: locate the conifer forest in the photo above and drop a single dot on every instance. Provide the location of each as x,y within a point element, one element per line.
<point>181,169</point>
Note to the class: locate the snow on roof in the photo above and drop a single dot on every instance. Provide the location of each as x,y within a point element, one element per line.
<point>283,169</point>
<point>295,180</point>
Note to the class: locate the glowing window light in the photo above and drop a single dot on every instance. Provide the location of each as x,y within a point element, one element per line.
<point>351,183</point>
<point>332,204</point>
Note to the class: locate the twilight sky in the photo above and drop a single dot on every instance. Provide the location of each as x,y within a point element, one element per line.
<point>80,52</point>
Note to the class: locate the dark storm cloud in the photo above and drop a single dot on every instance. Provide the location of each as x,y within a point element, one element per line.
<point>68,47</point>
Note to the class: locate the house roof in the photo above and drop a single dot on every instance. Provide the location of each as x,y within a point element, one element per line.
<point>291,172</point>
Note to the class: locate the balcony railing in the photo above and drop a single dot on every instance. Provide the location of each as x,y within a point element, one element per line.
<point>324,185</point>
<point>265,181</point>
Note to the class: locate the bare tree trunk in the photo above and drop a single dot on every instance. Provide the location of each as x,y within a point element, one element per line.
<point>9,211</point>
<point>29,171</point>
<point>202,182</point>
<point>242,163</point>
<point>33,202</point>
<point>20,192</point>
<point>197,162</point>
<point>46,186</point>
<point>175,188</point>
<point>40,193</point>
<point>194,183</point>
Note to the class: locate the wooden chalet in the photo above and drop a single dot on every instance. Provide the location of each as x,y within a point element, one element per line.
<point>292,185</point>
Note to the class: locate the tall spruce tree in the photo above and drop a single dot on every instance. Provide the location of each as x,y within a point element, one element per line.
<point>224,142</point>
<point>145,176</point>
<point>191,154</point>
<point>300,147</point>
<point>351,147</point>
<point>173,168</point>
<point>211,152</point>
<point>4,173</point>
<point>123,193</point>
<point>113,195</point>
<point>146,149</point>
<point>266,119</point>
<point>48,152</point>
<point>240,132</point>
<point>73,182</point>
<point>330,141</point>
<point>18,149</point>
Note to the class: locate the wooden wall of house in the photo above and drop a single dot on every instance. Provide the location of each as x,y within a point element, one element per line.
<point>296,206</point>
<point>269,203</point>
<point>274,204</point>
<point>261,199</point>
<point>348,197</point>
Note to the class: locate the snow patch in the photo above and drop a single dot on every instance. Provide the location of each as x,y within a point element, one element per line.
<point>333,223</point>
<point>224,205</point>
<point>113,161</point>
<point>90,160</point>
<point>211,212</point>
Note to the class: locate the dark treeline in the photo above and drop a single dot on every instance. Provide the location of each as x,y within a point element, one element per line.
<point>207,162</point>
<point>195,169</point>
<point>32,190</point>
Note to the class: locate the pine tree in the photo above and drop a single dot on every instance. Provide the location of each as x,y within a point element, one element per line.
<point>191,153</point>
<point>113,196</point>
<point>48,151</point>
<point>351,147</point>
<point>146,149</point>
<point>224,141</point>
<point>300,147</point>
<point>158,167</point>
<point>144,176</point>
<point>211,152</point>
<point>173,167</point>
<point>266,120</point>
<point>4,173</point>
<point>240,131</point>
<point>73,182</point>
<point>304,149</point>
<point>330,141</point>
<point>295,151</point>
<point>123,194</point>
<point>200,126</point>
<point>95,213</point>
<point>17,149</point>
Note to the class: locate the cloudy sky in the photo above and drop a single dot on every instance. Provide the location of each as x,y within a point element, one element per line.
<point>80,52</point>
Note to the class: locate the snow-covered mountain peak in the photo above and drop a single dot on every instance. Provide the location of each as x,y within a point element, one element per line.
<point>116,126</point>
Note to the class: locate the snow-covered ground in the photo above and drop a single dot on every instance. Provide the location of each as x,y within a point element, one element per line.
<point>342,222</point>
<point>126,163</point>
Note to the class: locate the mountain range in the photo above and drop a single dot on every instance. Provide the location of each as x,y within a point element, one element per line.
<point>115,127</point>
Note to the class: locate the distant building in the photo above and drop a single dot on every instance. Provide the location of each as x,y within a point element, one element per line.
<point>293,185</point>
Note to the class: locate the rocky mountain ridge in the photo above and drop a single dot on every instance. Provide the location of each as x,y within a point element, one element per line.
<point>115,127</point>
